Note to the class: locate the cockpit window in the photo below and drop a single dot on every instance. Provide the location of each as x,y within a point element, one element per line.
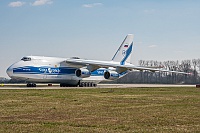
<point>26,59</point>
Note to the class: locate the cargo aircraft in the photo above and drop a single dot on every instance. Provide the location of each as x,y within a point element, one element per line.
<point>76,71</point>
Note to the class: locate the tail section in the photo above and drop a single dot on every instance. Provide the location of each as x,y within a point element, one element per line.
<point>123,54</point>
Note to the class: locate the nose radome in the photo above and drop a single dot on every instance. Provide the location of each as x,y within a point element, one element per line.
<point>10,71</point>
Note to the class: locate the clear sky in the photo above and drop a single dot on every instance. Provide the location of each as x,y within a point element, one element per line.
<point>94,29</point>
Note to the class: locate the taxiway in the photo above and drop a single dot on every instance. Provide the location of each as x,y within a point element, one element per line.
<point>56,86</point>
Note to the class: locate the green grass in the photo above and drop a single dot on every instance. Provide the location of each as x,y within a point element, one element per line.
<point>101,110</point>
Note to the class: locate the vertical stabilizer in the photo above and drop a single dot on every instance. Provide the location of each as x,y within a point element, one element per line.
<point>123,54</point>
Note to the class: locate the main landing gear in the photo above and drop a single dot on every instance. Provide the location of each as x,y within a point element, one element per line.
<point>31,85</point>
<point>67,85</point>
<point>82,84</point>
<point>87,84</point>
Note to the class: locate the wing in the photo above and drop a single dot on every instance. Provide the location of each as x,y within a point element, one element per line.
<point>93,65</point>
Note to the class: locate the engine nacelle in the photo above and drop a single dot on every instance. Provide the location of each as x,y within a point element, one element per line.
<point>111,75</point>
<point>83,73</point>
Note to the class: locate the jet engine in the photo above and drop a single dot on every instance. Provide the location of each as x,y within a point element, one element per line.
<point>82,73</point>
<point>111,75</point>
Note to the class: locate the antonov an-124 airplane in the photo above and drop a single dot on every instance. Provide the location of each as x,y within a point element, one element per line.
<point>75,71</point>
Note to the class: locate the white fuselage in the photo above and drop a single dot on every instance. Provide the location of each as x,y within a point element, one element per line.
<point>38,69</point>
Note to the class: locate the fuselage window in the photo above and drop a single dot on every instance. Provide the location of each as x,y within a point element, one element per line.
<point>26,59</point>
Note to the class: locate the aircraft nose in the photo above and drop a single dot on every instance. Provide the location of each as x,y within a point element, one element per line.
<point>10,71</point>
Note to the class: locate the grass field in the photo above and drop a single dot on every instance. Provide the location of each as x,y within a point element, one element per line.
<point>101,110</point>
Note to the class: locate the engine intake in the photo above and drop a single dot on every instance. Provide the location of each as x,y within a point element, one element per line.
<point>83,73</point>
<point>111,75</point>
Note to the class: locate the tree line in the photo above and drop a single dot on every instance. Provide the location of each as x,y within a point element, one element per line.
<point>188,66</point>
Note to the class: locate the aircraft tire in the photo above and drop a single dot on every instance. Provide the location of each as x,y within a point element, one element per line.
<point>34,85</point>
<point>80,85</point>
<point>31,85</point>
<point>67,85</point>
<point>28,85</point>
<point>90,84</point>
<point>87,84</point>
<point>84,84</point>
<point>62,85</point>
<point>94,85</point>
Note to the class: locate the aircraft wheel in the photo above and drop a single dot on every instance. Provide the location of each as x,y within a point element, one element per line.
<point>81,84</point>
<point>31,85</point>
<point>34,85</point>
<point>28,85</point>
<point>84,84</point>
<point>61,85</point>
<point>90,84</point>
<point>94,85</point>
<point>87,84</point>
<point>66,85</point>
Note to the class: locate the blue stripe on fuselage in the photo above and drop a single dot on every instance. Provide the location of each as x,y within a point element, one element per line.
<point>44,70</point>
<point>52,70</point>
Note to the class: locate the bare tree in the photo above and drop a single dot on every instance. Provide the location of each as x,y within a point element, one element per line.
<point>165,77</point>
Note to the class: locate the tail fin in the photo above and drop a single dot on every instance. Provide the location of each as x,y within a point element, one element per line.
<point>123,54</point>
